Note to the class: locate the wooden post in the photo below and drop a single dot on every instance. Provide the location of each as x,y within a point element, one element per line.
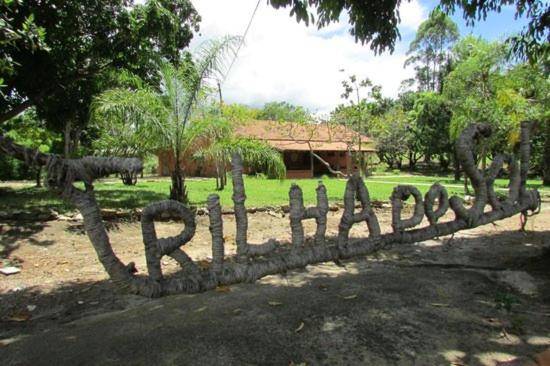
<point>311,164</point>
<point>349,162</point>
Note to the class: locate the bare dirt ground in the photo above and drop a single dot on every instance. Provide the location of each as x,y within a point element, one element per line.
<point>480,298</point>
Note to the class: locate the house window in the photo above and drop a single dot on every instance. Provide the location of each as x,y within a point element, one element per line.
<point>297,160</point>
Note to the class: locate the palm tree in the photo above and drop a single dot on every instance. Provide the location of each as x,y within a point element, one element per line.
<point>167,112</point>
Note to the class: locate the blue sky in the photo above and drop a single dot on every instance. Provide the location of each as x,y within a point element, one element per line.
<point>286,61</point>
<point>495,27</point>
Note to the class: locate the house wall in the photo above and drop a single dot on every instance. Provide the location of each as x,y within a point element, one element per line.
<point>192,167</point>
<point>298,164</point>
<point>338,160</point>
<point>298,174</point>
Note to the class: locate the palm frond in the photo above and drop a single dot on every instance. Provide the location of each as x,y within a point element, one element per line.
<point>139,110</point>
<point>211,57</point>
<point>255,154</point>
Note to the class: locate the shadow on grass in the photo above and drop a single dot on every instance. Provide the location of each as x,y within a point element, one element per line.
<point>127,198</point>
<point>29,199</point>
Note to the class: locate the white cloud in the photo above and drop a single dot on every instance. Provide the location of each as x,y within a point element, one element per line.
<point>412,14</point>
<point>284,60</point>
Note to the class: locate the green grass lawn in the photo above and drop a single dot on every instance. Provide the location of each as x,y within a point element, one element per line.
<point>260,192</point>
<point>447,181</point>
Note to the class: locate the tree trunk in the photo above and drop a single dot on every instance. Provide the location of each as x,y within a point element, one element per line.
<point>413,160</point>
<point>389,161</point>
<point>76,141</point>
<point>456,167</point>
<point>466,187</point>
<point>67,139</point>
<point>178,191</point>
<point>221,176</point>
<point>361,159</point>
<point>38,176</point>
<point>218,180</point>
<point>128,178</point>
<point>546,156</point>
<point>15,111</point>
<point>483,158</point>
<point>443,162</point>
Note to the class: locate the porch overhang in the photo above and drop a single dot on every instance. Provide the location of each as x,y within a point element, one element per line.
<point>294,145</point>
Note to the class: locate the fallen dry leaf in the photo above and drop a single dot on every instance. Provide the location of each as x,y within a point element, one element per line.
<point>275,303</point>
<point>204,264</point>
<point>201,309</point>
<point>300,327</point>
<point>6,342</point>
<point>543,358</point>
<point>350,297</point>
<point>223,288</point>
<point>19,317</point>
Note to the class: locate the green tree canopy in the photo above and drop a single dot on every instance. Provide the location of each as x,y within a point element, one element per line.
<point>433,117</point>
<point>28,130</point>
<point>394,132</point>
<point>483,87</point>
<point>472,87</point>
<point>376,22</point>
<point>239,112</point>
<point>83,43</point>
<point>284,111</point>
<point>430,50</point>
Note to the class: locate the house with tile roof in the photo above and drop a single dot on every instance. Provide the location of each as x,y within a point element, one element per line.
<point>336,145</point>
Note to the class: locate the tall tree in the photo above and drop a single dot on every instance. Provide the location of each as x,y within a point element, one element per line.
<point>430,51</point>
<point>531,43</point>
<point>433,117</point>
<point>395,136</point>
<point>376,22</point>
<point>364,102</point>
<point>83,42</point>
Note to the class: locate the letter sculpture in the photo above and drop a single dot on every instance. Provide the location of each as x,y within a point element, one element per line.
<point>255,261</point>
